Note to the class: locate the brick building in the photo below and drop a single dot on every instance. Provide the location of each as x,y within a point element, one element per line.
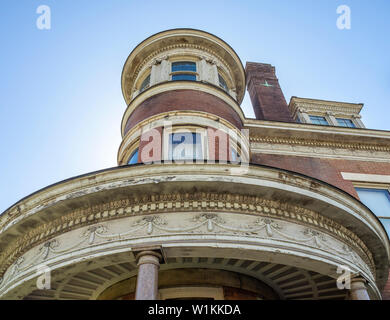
<point>206,203</point>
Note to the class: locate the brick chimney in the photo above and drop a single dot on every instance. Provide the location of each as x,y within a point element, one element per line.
<point>266,95</point>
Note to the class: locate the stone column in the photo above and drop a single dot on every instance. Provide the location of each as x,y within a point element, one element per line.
<point>330,117</point>
<point>303,116</point>
<point>358,289</point>
<point>148,263</point>
<point>356,119</point>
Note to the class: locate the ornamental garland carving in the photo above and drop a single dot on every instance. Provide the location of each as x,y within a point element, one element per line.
<point>148,207</point>
<point>193,223</point>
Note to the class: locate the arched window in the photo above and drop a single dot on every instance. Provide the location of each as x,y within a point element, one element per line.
<point>134,157</point>
<point>184,70</point>
<point>145,84</point>
<point>222,83</point>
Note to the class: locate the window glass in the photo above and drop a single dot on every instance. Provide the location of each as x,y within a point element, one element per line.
<point>222,83</point>
<point>378,200</point>
<point>181,76</point>
<point>181,67</point>
<point>184,66</point>
<point>345,123</point>
<point>134,157</point>
<point>185,146</point>
<point>145,83</point>
<point>235,157</point>
<point>319,120</point>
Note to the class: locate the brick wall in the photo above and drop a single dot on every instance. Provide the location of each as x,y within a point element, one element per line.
<point>328,170</point>
<point>176,100</point>
<point>266,95</point>
<point>320,169</point>
<point>386,290</point>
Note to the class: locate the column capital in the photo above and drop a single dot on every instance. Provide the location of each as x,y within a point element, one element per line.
<point>358,288</point>
<point>148,256</point>
<point>357,279</point>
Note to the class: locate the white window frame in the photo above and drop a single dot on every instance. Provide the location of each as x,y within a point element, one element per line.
<point>185,129</point>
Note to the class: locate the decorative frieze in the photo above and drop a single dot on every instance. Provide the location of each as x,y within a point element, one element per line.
<point>282,234</point>
<point>328,149</point>
<point>148,206</point>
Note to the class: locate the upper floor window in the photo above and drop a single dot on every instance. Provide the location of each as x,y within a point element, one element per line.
<point>184,70</point>
<point>222,83</point>
<point>378,200</point>
<point>145,84</point>
<point>134,157</point>
<point>319,120</point>
<point>185,146</point>
<point>345,123</point>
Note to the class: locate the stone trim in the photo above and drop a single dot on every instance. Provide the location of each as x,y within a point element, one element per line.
<point>151,204</point>
<point>324,106</point>
<point>320,149</point>
<point>319,143</point>
<point>361,177</point>
<point>127,81</point>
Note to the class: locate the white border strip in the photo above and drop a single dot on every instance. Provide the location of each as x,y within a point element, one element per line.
<point>379,178</point>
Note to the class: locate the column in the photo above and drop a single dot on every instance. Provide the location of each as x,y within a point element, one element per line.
<point>356,119</point>
<point>358,289</point>
<point>303,116</point>
<point>148,263</point>
<point>208,71</point>
<point>330,117</point>
<point>160,71</point>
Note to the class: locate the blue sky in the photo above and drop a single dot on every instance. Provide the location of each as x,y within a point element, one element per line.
<point>61,102</point>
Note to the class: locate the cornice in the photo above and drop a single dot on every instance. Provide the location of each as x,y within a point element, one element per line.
<point>323,143</point>
<point>313,128</point>
<point>323,106</point>
<point>182,38</point>
<point>165,50</point>
<point>50,203</point>
<point>148,206</point>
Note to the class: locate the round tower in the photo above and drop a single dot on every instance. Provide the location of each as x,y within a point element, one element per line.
<point>223,227</point>
<point>182,85</point>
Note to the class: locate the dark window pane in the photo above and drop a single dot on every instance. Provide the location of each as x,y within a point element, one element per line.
<point>183,66</point>
<point>134,157</point>
<point>346,123</point>
<point>187,77</point>
<point>319,120</point>
<point>222,83</point>
<point>235,156</point>
<point>145,83</point>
